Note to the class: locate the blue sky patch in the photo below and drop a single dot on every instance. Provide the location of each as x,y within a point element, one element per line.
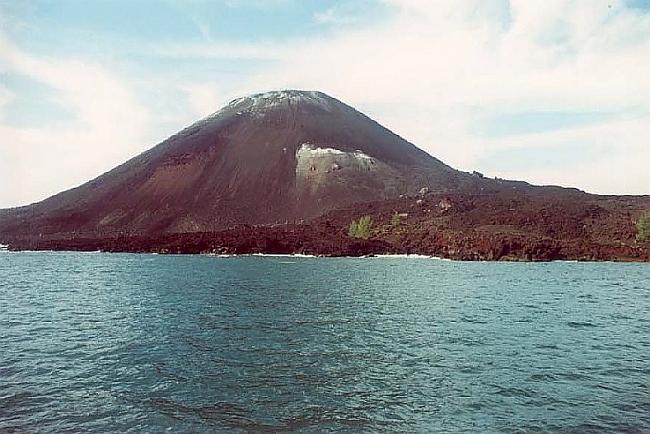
<point>509,124</point>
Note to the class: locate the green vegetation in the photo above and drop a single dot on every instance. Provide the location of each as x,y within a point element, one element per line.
<point>396,220</point>
<point>643,228</point>
<point>361,228</point>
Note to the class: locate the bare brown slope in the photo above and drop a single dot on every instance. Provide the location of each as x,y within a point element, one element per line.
<point>262,159</point>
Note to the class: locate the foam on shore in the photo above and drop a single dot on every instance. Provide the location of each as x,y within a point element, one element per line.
<point>301,255</point>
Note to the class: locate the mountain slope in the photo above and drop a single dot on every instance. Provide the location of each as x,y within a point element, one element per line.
<point>264,159</point>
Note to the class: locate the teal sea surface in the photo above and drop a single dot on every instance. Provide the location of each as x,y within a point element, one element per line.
<point>94,342</point>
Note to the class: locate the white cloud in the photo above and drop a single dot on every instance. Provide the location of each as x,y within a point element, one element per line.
<point>111,126</point>
<point>219,50</point>
<point>619,167</point>
<point>203,98</point>
<point>337,15</point>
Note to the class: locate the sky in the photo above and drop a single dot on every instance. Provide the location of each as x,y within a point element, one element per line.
<point>553,92</point>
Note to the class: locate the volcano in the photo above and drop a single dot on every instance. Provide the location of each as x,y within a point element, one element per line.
<point>269,158</point>
<point>289,171</point>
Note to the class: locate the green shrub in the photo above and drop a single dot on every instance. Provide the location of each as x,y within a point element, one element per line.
<point>361,228</point>
<point>643,228</point>
<point>396,220</point>
<point>352,230</point>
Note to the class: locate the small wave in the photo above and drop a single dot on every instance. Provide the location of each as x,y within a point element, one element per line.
<point>514,392</point>
<point>281,255</point>
<point>302,255</point>
<point>542,377</point>
<point>407,256</point>
<point>580,324</point>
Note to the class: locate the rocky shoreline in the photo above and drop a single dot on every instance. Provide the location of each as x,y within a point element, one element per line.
<point>457,227</point>
<point>513,227</point>
<point>222,244</point>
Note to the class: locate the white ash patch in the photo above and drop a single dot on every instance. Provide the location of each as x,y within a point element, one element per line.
<point>258,104</point>
<point>315,161</point>
<point>262,101</point>
<point>308,148</point>
<point>361,156</point>
<point>313,150</point>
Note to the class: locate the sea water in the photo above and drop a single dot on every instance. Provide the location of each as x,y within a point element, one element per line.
<point>94,342</point>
